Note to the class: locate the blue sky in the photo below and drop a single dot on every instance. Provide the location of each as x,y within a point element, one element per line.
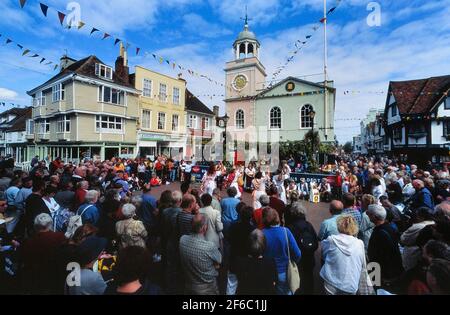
<point>412,42</point>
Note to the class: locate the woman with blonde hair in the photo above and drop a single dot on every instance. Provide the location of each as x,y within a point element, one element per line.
<point>344,258</point>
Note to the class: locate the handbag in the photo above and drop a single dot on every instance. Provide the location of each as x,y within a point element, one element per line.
<point>293,275</point>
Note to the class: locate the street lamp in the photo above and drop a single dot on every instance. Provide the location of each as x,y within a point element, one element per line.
<point>312,114</point>
<point>225,123</point>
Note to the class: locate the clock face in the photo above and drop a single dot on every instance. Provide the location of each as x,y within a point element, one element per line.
<point>240,82</point>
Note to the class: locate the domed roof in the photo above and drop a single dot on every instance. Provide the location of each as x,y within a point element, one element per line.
<point>246,34</point>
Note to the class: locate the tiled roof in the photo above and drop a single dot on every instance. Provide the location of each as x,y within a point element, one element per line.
<point>195,105</point>
<point>18,123</point>
<point>419,96</point>
<point>86,67</point>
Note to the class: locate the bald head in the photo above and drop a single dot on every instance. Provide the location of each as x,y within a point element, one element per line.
<point>336,207</point>
<point>418,184</point>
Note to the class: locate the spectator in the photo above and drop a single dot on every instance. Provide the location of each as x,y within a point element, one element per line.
<point>383,246</point>
<point>131,232</point>
<point>200,260</point>
<point>40,257</point>
<point>264,201</point>
<point>66,197</point>
<point>422,197</point>
<point>349,207</point>
<point>228,205</point>
<point>279,241</point>
<point>256,275</point>
<point>438,277</point>
<point>131,273</point>
<point>329,226</point>
<point>276,203</point>
<point>214,221</point>
<point>88,210</point>
<point>91,282</point>
<point>308,242</point>
<point>344,258</point>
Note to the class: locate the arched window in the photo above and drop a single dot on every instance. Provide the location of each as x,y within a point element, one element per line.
<point>305,119</point>
<point>275,118</point>
<point>240,119</point>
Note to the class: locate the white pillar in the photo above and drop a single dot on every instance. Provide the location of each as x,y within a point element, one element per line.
<point>246,50</point>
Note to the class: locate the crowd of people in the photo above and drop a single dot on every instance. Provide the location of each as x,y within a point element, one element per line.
<point>97,228</point>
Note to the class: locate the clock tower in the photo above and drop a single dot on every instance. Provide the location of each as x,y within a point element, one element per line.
<point>245,78</point>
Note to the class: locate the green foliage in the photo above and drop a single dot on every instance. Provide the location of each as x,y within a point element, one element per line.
<point>348,147</point>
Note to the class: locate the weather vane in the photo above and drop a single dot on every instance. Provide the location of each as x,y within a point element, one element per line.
<point>246,19</point>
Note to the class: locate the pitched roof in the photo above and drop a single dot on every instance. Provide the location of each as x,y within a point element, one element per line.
<point>317,85</point>
<point>19,122</point>
<point>84,67</point>
<point>195,105</point>
<point>419,96</point>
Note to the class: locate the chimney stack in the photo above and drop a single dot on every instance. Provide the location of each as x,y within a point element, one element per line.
<point>122,69</point>
<point>65,62</point>
<point>216,111</point>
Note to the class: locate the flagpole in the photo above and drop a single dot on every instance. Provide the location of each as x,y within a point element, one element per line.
<point>325,66</point>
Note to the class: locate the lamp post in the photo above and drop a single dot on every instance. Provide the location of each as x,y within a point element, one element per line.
<point>225,123</point>
<point>312,115</point>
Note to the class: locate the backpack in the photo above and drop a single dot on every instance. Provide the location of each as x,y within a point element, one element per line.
<point>74,223</point>
<point>61,218</point>
<point>307,240</point>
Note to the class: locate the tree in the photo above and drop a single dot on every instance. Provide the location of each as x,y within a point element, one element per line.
<point>348,147</point>
<point>312,145</point>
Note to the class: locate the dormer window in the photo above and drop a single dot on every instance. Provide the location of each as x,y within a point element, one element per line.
<point>103,71</point>
<point>447,103</point>
<point>394,110</point>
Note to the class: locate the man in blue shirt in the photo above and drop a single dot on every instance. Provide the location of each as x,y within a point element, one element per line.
<point>147,210</point>
<point>422,197</point>
<point>229,212</point>
<point>329,226</point>
<point>348,200</point>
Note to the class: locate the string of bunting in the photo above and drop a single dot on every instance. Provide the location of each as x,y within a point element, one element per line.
<point>104,36</point>
<point>299,44</point>
<point>2,103</point>
<point>28,53</point>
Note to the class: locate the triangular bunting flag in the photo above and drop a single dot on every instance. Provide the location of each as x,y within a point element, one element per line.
<point>8,41</point>
<point>42,60</point>
<point>61,16</point>
<point>34,56</point>
<point>168,62</point>
<point>137,50</point>
<point>26,51</point>
<point>322,20</point>
<point>106,36</point>
<point>161,60</point>
<point>331,10</point>
<point>81,24</point>
<point>308,37</point>
<point>48,63</point>
<point>44,9</point>
<point>22,3</point>
<point>173,65</point>
<point>55,67</point>
<point>116,41</point>
<point>154,56</point>
<point>93,30</point>
<point>20,46</point>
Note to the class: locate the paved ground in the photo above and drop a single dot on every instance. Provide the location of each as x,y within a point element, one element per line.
<point>316,214</point>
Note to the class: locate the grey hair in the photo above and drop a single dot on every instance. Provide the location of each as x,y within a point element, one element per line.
<point>377,211</point>
<point>264,200</point>
<point>128,210</point>
<point>257,243</point>
<point>443,210</point>
<point>43,221</point>
<point>297,210</point>
<point>177,196</point>
<point>91,195</point>
<point>136,201</point>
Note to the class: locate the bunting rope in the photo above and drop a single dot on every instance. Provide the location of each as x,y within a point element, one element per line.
<point>62,16</point>
<point>29,53</point>
<point>299,44</point>
<point>4,103</point>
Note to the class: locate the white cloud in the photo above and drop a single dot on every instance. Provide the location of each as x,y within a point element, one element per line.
<point>6,94</point>
<point>196,25</point>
